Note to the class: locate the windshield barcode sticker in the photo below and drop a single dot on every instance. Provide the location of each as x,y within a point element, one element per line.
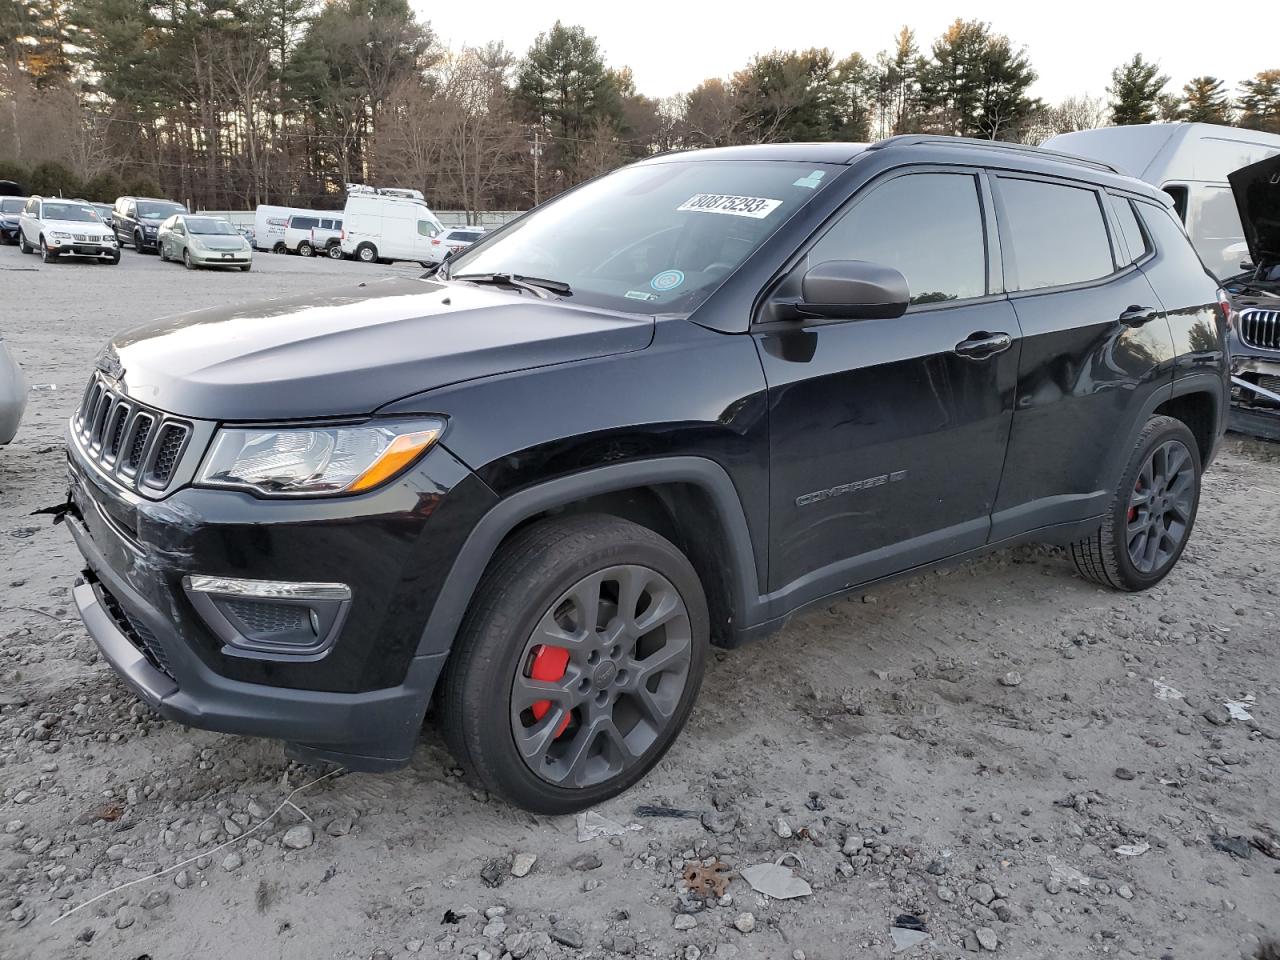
<point>755,207</point>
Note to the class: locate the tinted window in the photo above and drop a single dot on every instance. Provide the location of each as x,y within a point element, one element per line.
<point>11,205</point>
<point>927,225</point>
<point>303,223</point>
<point>1179,195</point>
<point>1058,234</point>
<point>1170,239</point>
<point>1129,229</point>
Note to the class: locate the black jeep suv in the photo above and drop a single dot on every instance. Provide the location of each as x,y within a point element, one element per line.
<point>672,407</point>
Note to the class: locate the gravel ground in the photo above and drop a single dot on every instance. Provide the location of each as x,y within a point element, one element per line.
<point>1003,755</point>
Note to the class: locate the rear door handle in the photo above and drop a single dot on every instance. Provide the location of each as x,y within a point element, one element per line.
<point>1136,316</point>
<point>981,345</point>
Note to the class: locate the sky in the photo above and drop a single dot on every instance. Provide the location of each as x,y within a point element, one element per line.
<point>672,46</point>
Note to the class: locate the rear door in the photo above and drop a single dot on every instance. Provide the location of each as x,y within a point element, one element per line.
<point>1096,346</point>
<point>887,436</point>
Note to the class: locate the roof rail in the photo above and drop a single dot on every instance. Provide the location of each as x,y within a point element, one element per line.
<point>1022,148</point>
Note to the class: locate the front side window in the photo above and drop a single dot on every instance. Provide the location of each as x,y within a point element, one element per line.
<point>652,238</point>
<point>1058,235</point>
<point>427,228</point>
<point>928,226</point>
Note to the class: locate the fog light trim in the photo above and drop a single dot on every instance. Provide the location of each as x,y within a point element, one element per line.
<point>267,589</point>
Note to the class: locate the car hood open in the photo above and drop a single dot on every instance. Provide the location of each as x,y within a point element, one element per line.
<point>349,350</point>
<point>1257,192</point>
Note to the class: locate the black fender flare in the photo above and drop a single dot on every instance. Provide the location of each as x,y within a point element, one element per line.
<point>464,576</point>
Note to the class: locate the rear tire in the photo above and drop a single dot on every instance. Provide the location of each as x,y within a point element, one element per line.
<point>23,246</point>
<point>305,249</point>
<point>1151,514</point>
<point>621,701</point>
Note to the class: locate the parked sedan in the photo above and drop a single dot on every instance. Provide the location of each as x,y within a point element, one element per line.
<point>13,394</point>
<point>203,242</point>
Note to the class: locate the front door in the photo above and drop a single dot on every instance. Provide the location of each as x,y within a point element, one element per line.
<point>888,437</point>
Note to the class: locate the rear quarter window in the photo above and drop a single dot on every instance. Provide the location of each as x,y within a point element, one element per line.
<point>1134,239</point>
<point>1057,233</point>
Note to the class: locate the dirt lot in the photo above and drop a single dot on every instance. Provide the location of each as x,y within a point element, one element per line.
<point>1022,762</point>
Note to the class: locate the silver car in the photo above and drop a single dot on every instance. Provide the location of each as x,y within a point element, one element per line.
<point>13,394</point>
<point>203,242</point>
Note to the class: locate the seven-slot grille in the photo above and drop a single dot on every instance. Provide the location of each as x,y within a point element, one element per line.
<point>138,445</point>
<point>1260,328</point>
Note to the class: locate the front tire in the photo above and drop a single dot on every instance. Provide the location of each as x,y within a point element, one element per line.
<point>1151,514</point>
<point>367,253</point>
<point>47,255</point>
<point>186,260</point>
<point>335,252</point>
<point>577,664</point>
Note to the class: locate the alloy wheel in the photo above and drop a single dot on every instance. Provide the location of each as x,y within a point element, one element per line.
<point>1160,507</point>
<point>601,677</point>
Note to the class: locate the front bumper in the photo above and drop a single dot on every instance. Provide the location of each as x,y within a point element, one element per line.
<point>1254,411</point>
<point>362,703</point>
<point>220,258</point>
<point>83,249</point>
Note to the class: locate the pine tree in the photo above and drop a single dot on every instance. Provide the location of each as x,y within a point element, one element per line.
<point>1260,102</point>
<point>1204,100</point>
<point>1135,91</point>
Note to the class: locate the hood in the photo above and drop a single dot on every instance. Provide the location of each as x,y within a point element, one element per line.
<point>350,350</point>
<point>1257,192</point>
<point>76,226</point>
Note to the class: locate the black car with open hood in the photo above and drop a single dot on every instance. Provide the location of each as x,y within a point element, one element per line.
<point>1255,297</point>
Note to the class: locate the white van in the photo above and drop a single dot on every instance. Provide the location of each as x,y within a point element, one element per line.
<point>388,224</point>
<point>270,223</point>
<point>1190,162</point>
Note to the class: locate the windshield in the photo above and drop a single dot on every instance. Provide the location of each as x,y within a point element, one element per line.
<point>211,226</point>
<point>656,238</point>
<point>158,210</point>
<point>69,211</point>
<point>12,204</point>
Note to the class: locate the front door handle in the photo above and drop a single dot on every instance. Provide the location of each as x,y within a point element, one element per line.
<point>1136,316</point>
<point>981,345</point>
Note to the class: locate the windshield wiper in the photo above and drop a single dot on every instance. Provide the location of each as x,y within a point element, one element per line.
<point>538,286</point>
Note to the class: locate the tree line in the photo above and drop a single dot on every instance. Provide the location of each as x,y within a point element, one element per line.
<point>231,103</point>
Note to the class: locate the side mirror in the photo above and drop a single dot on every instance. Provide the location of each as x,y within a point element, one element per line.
<point>850,290</point>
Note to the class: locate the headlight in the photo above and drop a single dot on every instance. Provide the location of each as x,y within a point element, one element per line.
<point>294,462</point>
<point>59,235</point>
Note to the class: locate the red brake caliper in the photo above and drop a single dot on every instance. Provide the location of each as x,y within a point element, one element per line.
<point>549,664</point>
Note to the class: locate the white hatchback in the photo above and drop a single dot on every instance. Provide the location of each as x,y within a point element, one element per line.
<point>56,227</point>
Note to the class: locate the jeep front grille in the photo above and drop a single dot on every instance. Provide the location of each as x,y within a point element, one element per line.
<point>139,446</point>
<point>1260,328</point>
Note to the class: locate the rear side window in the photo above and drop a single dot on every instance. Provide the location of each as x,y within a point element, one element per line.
<point>926,225</point>
<point>1170,238</point>
<point>1058,233</point>
<point>1134,238</point>
<point>304,223</point>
